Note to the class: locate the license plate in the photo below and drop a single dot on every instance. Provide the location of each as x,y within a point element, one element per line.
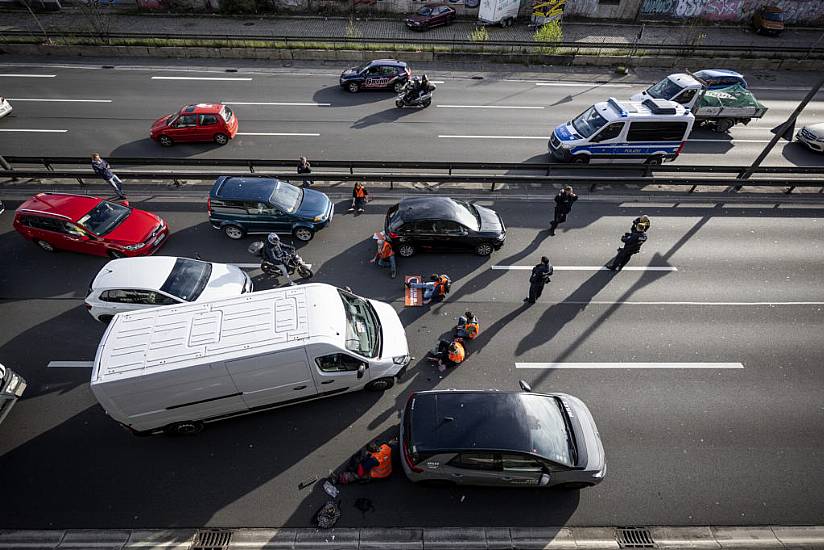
<point>160,239</point>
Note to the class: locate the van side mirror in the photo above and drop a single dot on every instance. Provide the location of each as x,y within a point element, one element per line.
<point>524,386</point>
<point>361,370</point>
<point>544,480</point>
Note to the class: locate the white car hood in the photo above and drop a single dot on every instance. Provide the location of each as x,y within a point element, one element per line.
<point>393,334</point>
<point>226,281</point>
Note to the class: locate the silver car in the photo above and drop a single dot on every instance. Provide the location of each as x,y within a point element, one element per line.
<point>490,437</point>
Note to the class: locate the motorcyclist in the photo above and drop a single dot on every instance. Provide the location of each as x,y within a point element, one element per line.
<point>426,85</point>
<point>278,253</point>
<point>413,89</point>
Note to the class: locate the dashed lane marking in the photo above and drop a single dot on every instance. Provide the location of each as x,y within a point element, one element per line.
<point>13,75</point>
<point>449,136</point>
<point>488,107</point>
<point>274,134</point>
<point>586,268</point>
<point>34,130</point>
<point>70,364</point>
<point>237,79</point>
<point>629,365</point>
<point>279,103</point>
<point>50,100</point>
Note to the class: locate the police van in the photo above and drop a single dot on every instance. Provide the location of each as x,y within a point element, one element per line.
<point>651,131</point>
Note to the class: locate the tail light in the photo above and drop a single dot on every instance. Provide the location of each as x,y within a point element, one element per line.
<point>406,456</point>
<point>88,306</point>
<point>209,204</point>
<point>680,148</point>
<point>392,234</point>
<point>405,444</point>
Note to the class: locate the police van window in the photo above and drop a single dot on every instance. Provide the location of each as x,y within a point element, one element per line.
<point>610,132</point>
<point>686,96</point>
<point>656,131</point>
<point>338,362</point>
<point>588,122</point>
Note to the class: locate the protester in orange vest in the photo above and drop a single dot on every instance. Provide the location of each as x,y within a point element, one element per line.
<point>360,196</point>
<point>385,257</point>
<point>468,327</point>
<point>434,289</point>
<point>449,354</point>
<point>372,462</point>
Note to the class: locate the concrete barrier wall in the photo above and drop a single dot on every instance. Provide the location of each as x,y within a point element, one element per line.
<point>798,12</point>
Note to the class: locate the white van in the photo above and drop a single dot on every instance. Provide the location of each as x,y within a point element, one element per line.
<point>176,367</point>
<point>652,130</point>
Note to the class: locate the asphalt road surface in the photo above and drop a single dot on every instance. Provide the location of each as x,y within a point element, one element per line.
<point>685,446</point>
<point>71,110</point>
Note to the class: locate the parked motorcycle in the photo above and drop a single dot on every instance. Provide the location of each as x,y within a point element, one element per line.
<point>294,263</point>
<point>408,98</point>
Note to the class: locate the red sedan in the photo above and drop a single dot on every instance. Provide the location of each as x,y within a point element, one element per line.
<point>89,225</point>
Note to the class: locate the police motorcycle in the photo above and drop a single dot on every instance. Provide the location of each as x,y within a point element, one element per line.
<point>291,260</point>
<point>415,94</point>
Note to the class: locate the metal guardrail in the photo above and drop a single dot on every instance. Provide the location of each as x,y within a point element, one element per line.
<point>517,46</point>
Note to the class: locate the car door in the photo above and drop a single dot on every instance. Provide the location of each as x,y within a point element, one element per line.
<point>519,469</point>
<point>207,127</point>
<point>475,468</point>
<point>440,15</point>
<point>265,218</point>
<point>184,128</point>
<point>372,77</point>
<point>79,240</point>
<point>424,234</point>
<point>451,235</point>
<point>338,372</point>
<point>607,143</point>
<point>273,378</point>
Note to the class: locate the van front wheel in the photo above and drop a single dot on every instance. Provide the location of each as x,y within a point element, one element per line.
<point>189,427</point>
<point>580,159</point>
<point>381,384</point>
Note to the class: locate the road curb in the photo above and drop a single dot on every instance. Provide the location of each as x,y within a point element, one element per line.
<point>439,538</point>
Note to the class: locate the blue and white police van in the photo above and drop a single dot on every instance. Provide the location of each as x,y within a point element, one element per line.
<point>649,131</point>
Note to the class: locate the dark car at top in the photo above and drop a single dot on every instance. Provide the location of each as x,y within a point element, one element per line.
<point>248,205</point>
<point>443,224</point>
<point>430,15</point>
<point>720,78</point>
<point>380,74</point>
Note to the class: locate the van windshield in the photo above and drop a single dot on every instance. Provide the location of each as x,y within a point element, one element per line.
<point>588,122</point>
<point>287,197</point>
<point>666,89</point>
<point>363,330</point>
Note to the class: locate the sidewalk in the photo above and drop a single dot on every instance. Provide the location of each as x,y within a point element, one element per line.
<point>392,27</point>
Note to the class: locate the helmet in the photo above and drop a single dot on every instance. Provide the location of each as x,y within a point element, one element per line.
<point>273,238</point>
<point>424,77</point>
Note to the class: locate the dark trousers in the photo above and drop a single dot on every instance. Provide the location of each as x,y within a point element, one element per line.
<point>620,260</point>
<point>535,291</point>
<point>560,217</point>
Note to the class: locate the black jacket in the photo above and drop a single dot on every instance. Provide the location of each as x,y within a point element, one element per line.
<point>540,274</point>
<point>304,168</point>
<point>633,241</point>
<point>277,253</point>
<point>563,202</point>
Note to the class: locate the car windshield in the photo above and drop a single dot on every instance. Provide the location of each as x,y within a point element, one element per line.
<point>425,11</point>
<point>588,122</point>
<point>666,89</point>
<point>226,113</point>
<point>774,16</point>
<point>551,438</point>
<point>103,218</point>
<point>363,330</point>
<point>472,221</point>
<point>287,197</point>
<point>187,279</point>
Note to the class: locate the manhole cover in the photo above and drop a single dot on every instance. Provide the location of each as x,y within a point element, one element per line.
<point>634,537</point>
<point>212,539</point>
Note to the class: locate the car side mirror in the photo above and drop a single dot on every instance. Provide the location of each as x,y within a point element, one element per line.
<point>361,370</point>
<point>524,386</point>
<point>544,480</point>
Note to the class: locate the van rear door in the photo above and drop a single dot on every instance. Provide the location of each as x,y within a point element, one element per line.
<point>273,378</point>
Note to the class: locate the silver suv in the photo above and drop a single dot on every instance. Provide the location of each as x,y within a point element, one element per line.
<point>490,437</point>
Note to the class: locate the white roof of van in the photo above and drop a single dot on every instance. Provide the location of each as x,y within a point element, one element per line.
<point>613,110</point>
<point>684,80</point>
<point>172,337</point>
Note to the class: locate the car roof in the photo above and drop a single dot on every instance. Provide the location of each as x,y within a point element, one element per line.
<point>66,205</point>
<point>436,5</point>
<point>431,208</point>
<point>200,108</point>
<point>453,420</point>
<point>387,62</point>
<point>715,73</point>
<point>149,272</point>
<point>247,189</point>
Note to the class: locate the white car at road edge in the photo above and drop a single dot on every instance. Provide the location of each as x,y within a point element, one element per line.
<point>5,107</point>
<point>812,136</point>
<point>129,284</point>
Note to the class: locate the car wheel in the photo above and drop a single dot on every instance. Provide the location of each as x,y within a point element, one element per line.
<point>189,427</point>
<point>105,319</point>
<point>580,159</point>
<point>166,141</point>
<point>305,272</point>
<point>399,86</point>
<point>221,139</point>
<point>483,249</point>
<point>406,250</point>
<point>45,246</point>
<point>233,232</point>
<point>114,254</point>
<point>574,486</point>
<point>723,125</point>
<point>381,384</point>
<point>655,161</point>
<point>303,234</point>
<point>353,87</point>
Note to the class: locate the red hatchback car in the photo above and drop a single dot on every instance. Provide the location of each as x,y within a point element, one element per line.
<point>89,225</point>
<point>201,122</point>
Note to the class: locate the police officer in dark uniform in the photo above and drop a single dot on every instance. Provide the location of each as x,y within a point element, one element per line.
<point>563,206</point>
<point>632,245</point>
<point>539,277</point>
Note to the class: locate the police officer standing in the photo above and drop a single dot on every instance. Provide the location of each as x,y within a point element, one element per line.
<point>539,277</point>
<point>563,206</point>
<point>632,243</point>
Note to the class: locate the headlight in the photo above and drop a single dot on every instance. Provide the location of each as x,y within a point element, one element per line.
<point>319,218</point>
<point>501,237</point>
<point>137,246</point>
<point>400,359</point>
<point>14,380</point>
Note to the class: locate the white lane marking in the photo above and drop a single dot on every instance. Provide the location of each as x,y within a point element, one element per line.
<point>586,268</point>
<point>448,136</point>
<point>200,78</point>
<point>28,75</point>
<point>733,140</point>
<point>273,134</point>
<point>629,365</point>
<point>278,104</point>
<point>486,107</point>
<point>33,130</point>
<point>583,84</point>
<point>649,303</point>
<point>247,266</point>
<point>48,100</point>
<point>71,364</point>
<point>436,81</point>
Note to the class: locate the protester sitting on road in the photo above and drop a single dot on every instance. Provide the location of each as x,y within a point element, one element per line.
<point>448,354</point>
<point>435,289</point>
<point>468,327</point>
<point>372,462</point>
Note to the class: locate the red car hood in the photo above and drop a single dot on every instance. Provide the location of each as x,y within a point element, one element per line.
<point>135,228</point>
<point>160,123</point>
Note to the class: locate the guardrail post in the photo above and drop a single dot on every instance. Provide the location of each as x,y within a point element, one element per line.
<point>494,184</point>
<point>592,187</point>
<point>5,164</point>
<point>251,167</point>
<point>789,190</point>
<point>692,188</point>
<point>450,169</point>
<point>351,169</point>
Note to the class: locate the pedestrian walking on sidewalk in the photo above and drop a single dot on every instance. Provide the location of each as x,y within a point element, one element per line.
<point>305,168</point>
<point>102,169</point>
<point>538,279</point>
<point>632,245</point>
<point>360,196</point>
<point>563,206</point>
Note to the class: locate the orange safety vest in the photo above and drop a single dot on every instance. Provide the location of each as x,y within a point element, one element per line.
<point>384,458</point>
<point>472,330</point>
<point>440,285</point>
<point>360,192</point>
<point>386,250</point>
<point>458,355</point>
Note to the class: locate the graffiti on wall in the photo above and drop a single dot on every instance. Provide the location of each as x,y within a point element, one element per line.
<point>795,11</point>
<point>582,8</point>
<point>548,9</point>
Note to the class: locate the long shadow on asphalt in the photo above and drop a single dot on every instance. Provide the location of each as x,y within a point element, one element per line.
<point>387,116</point>
<point>338,97</point>
<point>148,148</point>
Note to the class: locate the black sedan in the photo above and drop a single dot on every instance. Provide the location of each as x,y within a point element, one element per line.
<point>442,223</point>
<point>380,74</point>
